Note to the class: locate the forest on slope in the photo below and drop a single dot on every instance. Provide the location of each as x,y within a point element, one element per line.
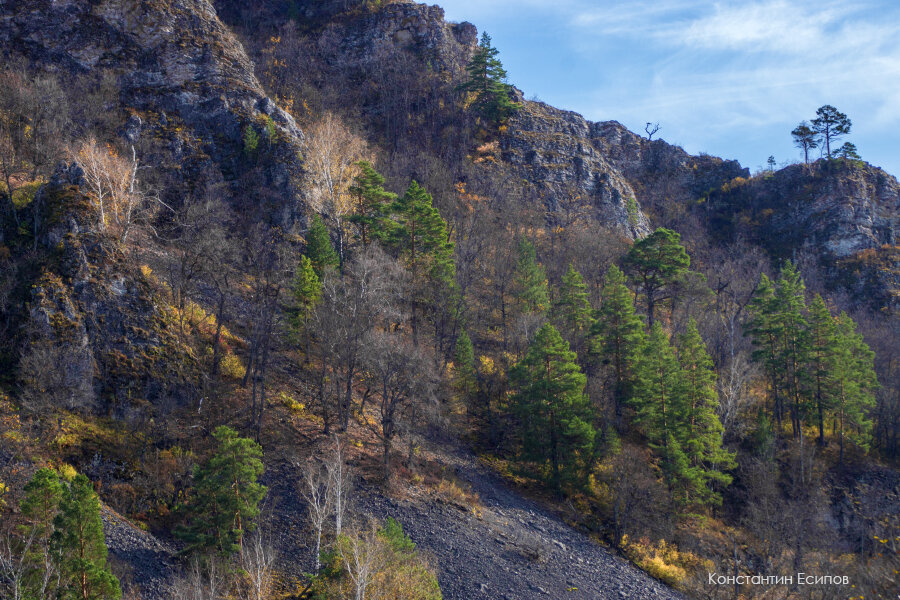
<point>372,243</point>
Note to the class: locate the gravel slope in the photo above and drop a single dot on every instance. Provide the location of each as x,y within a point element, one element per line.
<point>513,549</point>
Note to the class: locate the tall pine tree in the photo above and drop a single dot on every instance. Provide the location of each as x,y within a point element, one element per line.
<point>571,310</point>
<point>553,412</point>
<point>617,334</point>
<point>821,335</point>
<point>530,280</point>
<point>79,546</point>
<point>702,431</point>
<point>307,291</point>
<point>486,85</point>
<point>764,330</point>
<point>419,238</point>
<point>226,496</point>
<point>790,306</point>
<point>372,203</point>
<point>319,248</point>
<point>853,384</point>
<point>658,261</point>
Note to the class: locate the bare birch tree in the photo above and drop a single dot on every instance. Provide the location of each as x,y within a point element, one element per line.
<point>332,154</point>
<point>316,492</point>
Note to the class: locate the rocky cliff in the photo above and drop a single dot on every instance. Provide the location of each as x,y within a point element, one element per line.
<point>182,76</point>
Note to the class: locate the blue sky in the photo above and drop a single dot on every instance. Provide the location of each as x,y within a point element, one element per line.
<point>723,77</point>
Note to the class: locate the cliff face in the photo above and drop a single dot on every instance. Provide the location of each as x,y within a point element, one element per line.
<point>182,75</point>
<point>554,151</point>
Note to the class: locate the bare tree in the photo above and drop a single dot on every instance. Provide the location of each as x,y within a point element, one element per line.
<point>57,375</point>
<point>362,555</point>
<point>258,562</point>
<point>203,580</point>
<point>264,262</point>
<point>316,491</point>
<point>351,306</point>
<point>113,185</point>
<point>14,563</point>
<point>340,479</point>
<point>332,154</point>
<point>401,376</point>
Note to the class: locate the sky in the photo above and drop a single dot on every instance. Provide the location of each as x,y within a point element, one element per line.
<point>728,78</point>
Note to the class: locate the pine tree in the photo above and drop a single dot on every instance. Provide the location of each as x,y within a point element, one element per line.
<point>702,432</point>
<point>530,280</point>
<point>419,237</point>
<point>464,378</point>
<point>40,505</point>
<point>790,304</point>
<point>765,332</point>
<point>226,495</point>
<point>487,84</point>
<point>372,203</point>
<point>821,334</point>
<point>319,248</point>
<point>657,261</point>
<point>831,124</point>
<point>307,291</point>
<point>553,412</point>
<point>853,384</point>
<point>571,309</point>
<point>617,333</point>
<point>79,546</point>
<point>806,139</point>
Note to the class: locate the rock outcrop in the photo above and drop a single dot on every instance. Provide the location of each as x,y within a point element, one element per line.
<point>181,74</point>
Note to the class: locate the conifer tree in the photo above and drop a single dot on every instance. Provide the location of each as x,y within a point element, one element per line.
<point>657,262</point>
<point>487,84</point>
<point>319,248</point>
<point>419,237</point>
<point>464,369</point>
<point>617,333</point>
<point>40,505</point>
<point>79,546</point>
<point>790,305</point>
<point>553,412</point>
<point>226,495</point>
<point>702,432</point>
<point>765,332</point>
<point>658,395</point>
<point>307,291</point>
<point>853,384</point>
<point>821,335</point>
<point>530,280</point>
<point>571,309</point>
<point>372,203</point>
<point>831,124</point>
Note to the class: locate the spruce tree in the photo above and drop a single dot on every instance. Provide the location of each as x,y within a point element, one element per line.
<point>658,261</point>
<point>319,248</point>
<point>79,546</point>
<point>821,334</point>
<point>372,203</point>
<point>702,432</point>
<point>853,384</point>
<point>307,291</point>
<point>530,280</point>
<point>225,497</point>
<point>617,334</point>
<point>571,309</point>
<point>658,393</point>
<point>487,84</point>
<point>554,415</point>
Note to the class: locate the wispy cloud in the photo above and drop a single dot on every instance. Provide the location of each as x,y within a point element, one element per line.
<point>715,72</point>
